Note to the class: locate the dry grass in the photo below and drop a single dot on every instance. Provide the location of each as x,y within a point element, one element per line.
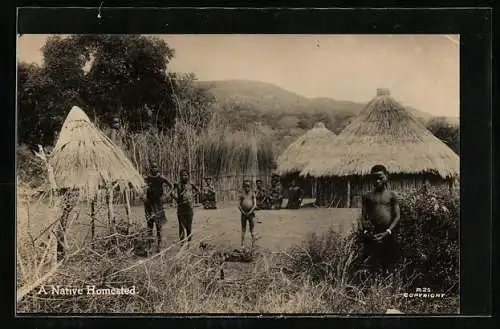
<point>188,280</point>
<point>217,152</point>
<point>384,132</point>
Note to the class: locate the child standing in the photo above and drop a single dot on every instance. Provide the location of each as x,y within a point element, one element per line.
<point>247,207</point>
<point>379,220</point>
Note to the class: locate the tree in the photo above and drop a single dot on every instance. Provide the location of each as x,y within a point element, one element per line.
<point>127,77</point>
<point>445,131</point>
<point>193,102</point>
<point>238,116</point>
<point>41,105</point>
<point>288,122</point>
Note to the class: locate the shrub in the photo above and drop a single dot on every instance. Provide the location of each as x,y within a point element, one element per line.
<point>30,169</point>
<point>429,225</point>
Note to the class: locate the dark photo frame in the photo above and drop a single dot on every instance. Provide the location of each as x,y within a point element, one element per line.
<point>474,25</point>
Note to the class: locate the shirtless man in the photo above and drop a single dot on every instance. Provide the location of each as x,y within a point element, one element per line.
<point>153,204</point>
<point>379,219</point>
<point>184,193</point>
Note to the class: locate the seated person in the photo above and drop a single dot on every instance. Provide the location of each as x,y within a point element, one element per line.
<point>209,195</point>
<point>262,196</point>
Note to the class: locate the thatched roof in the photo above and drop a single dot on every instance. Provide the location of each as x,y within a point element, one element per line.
<point>303,149</point>
<point>85,158</point>
<point>384,133</point>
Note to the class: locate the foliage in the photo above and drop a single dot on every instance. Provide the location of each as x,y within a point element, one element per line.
<point>194,102</point>
<point>191,281</point>
<point>429,223</point>
<point>127,76</point>
<point>30,169</point>
<point>445,131</point>
<point>123,76</point>
<point>237,116</point>
<point>41,103</point>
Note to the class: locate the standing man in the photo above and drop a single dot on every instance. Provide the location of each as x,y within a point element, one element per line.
<point>153,203</point>
<point>184,194</point>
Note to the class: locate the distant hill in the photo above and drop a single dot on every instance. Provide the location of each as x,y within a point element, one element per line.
<point>267,97</point>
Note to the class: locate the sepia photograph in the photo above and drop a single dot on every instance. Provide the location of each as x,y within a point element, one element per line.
<point>238,173</point>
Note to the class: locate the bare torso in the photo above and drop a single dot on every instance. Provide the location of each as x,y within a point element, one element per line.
<point>378,207</point>
<point>246,200</point>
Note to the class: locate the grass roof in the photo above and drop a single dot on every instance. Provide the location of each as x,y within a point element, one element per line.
<point>297,155</point>
<point>85,158</point>
<point>384,133</point>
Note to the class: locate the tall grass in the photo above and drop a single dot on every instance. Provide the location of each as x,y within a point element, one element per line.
<point>217,151</point>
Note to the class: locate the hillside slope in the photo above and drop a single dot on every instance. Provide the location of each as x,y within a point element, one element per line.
<point>266,97</point>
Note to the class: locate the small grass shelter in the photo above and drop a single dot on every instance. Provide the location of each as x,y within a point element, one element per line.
<point>85,160</point>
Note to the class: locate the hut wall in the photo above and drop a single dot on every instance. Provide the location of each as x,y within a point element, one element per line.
<point>332,192</point>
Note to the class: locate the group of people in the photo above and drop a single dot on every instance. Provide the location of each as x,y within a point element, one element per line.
<point>273,198</point>
<point>379,220</point>
<point>184,193</point>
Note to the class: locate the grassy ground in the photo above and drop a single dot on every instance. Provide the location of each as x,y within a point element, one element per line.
<point>188,280</point>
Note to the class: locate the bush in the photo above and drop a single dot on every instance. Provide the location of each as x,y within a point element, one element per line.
<point>429,225</point>
<point>30,169</point>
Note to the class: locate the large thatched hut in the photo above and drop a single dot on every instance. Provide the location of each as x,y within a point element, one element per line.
<point>298,154</point>
<point>383,133</point>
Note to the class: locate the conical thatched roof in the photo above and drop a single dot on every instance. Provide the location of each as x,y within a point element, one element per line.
<point>84,158</point>
<point>297,155</point>
<point>384,133</point>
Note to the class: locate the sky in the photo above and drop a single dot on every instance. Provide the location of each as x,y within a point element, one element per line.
<point>421,71</point>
